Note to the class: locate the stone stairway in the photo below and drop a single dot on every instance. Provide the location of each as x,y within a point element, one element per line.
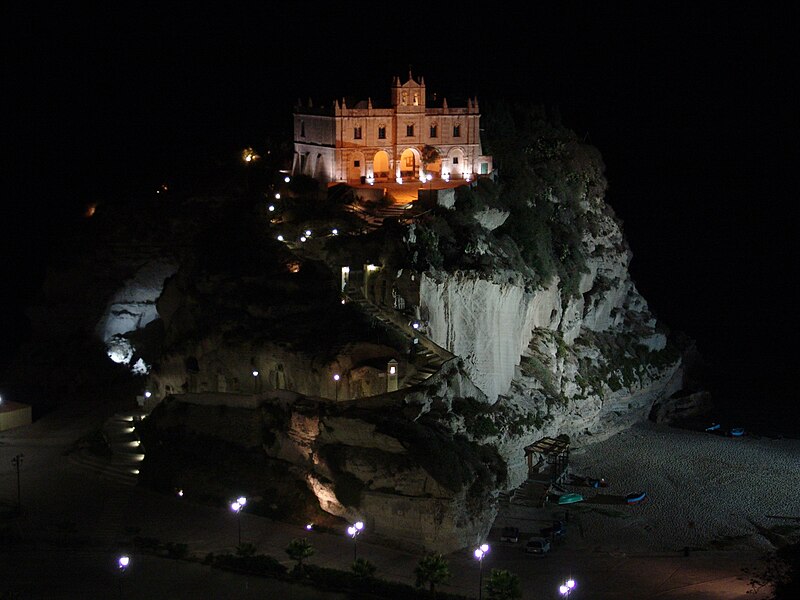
<point>122,465</point>
<point>425,362</point>
<point>531,493</point>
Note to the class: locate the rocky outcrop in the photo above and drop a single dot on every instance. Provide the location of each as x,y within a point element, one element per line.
<point>132,308</point>
<point>409,479</point>
<point>537,327</point>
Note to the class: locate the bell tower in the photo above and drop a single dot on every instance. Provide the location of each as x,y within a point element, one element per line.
<point>409,96</point>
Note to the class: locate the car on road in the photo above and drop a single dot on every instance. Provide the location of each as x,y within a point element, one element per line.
<point>556,530</point>
<point>510,534</point>
<point>537,545</point>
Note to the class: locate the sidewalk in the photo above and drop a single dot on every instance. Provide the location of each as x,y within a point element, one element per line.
<point>60,497</point>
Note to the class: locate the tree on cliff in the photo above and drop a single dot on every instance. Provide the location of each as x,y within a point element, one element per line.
<point>548,178</point>
<point>780,571</point>
<point>299,550</point>
<point>432,570</point>
<point>503,585</point>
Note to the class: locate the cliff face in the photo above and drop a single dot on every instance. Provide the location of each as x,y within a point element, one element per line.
<point>594,353</point>
<point>549,334</point>
<point>246,342</point>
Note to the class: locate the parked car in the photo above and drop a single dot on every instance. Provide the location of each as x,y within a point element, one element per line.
<point>510,534</point>
<point>537,545</point>
<point>556,530</point>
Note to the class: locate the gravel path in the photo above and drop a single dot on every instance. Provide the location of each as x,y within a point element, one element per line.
<point>704,491</point>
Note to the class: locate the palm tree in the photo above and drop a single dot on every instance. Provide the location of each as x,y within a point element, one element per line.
<point>363,569</point>
<point>432,570</point>
<point>503,585</point>
<point>299,549</point>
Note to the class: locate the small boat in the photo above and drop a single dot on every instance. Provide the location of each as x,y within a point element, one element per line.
<point>569,498</point>
<point>635,497</point>
<point>713,427</point>
<point>596,483</point>
<point>736,431</point>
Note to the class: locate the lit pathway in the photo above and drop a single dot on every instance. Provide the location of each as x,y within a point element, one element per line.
<point>65,502</point>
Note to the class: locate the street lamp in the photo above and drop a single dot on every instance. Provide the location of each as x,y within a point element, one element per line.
<point>237,507</point>
<point>122,564</point>
<point>255,381</point>
<point>353,532</point>
<point>17,462</point>
<point>565,589</point>
<point>480,553</point>
<point>336,378</point>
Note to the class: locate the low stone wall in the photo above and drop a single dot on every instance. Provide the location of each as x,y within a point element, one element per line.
<point>232,400</point>
<point>14,414</point>
<point>220,399</point>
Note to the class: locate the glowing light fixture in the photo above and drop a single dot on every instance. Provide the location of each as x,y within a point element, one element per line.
<point>353,532</point>
<point>480,553</point>
<point>565,589</point>
<point>249,155</point>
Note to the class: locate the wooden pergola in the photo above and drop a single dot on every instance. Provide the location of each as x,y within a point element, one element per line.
<point>554,451</point>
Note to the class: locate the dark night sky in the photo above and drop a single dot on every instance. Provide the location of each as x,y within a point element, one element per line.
<point>691,106</point>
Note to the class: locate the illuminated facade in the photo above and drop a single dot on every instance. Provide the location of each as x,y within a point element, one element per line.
<point>370,144</point>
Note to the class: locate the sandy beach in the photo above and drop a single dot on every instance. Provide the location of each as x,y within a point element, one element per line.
<point>704,491</point>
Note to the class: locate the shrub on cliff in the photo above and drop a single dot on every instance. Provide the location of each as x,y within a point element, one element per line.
<point>547,176</point>
<point>453,461</point>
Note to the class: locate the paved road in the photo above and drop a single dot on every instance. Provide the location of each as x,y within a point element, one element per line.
<point>62,500</point>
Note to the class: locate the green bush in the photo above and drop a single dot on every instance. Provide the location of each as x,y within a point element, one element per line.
<point>363,569</point>
<point>255,565</point>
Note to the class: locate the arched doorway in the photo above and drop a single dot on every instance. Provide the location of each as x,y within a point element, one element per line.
<point>380,166</point>
<point>409,164</point>
<point>356,167</point>
<point>320,171</point>
<point>456,163</point>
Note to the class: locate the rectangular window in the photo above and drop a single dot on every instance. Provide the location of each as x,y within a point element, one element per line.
<point>356,163</point>
<point>381,133</point>
<point>356,133</point>
<point>302,129</point>
<point>433,131</point>
<point>456,130</point>
<point>409,131</point>
<point>455,160</point>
